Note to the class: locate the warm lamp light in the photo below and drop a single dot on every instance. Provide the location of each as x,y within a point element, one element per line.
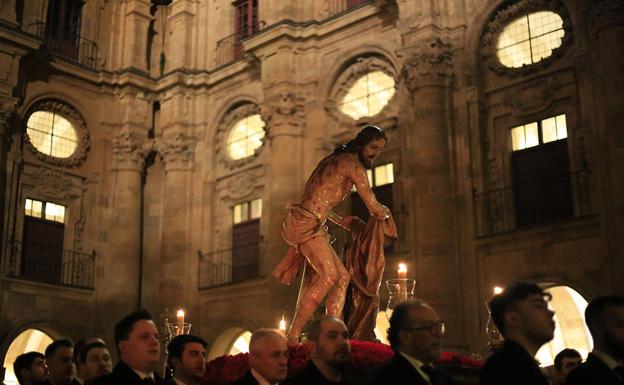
<point>282,324</point>
<point>497,290</point>
<point>180,316</point>
<point>402,271</point>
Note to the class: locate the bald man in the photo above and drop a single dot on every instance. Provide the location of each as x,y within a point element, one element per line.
<point>268,359</point>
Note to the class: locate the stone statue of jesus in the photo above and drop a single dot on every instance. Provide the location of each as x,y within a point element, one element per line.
<point>304,227</point>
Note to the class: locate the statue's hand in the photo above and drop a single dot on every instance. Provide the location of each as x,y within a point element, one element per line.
<point>383,214</point>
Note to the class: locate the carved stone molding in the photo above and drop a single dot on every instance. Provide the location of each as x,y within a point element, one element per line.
<point>7,107</point>
<point>177,151</point>
<point>223,131</point>
<point>52,185</point>
<point>128,152</point>
<point>285,116</point>
<point>430,63</point>
<point>241,186</point>
<point>82,135</point>
<point>511,13</point>
<point>532,96</point>
<point>604,13</point>
<point>360,67</point>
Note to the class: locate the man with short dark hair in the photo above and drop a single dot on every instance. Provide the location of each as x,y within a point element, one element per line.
<point>59,357</point>
<point>604,317</point>
<point>268,358</point>
<point>565,361</point>
<point>187,357</point>
<point>94,362</point>
<point>330,354</point>
<point>138,346</point>
<point>30,368</point>
<point>414,334</point>
<point>522,316</point>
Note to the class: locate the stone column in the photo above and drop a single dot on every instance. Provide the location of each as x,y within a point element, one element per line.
<point>178,263</point>
<point>428,174</point>
<point>136,18</point>
<point>284,115</point>
<point>180,50</point>
<point>606,28</point>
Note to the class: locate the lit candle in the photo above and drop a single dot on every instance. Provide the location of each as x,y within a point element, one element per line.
<point>497,290</point>
<point>282,324</point>
<point>180,321</point>
<point>402,271</point>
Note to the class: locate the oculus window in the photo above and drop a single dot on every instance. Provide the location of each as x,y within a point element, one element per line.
<point>530,39</point>
<point>368,95</point>
<point>52,134</point>
<point>245,137</point>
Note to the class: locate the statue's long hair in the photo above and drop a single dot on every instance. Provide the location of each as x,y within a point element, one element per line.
<point>367,134</point>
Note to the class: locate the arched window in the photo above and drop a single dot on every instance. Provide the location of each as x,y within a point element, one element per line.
<point>30,340</point>
<point>368,95</point>
<point>231,341</point>
<point>245,137</point>
<point>570,329</point>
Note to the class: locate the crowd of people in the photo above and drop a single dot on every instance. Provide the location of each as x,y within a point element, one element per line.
<point>520,312</point>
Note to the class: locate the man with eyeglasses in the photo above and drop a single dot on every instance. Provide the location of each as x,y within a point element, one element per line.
<point>414,334</point>
<point>522,316</point>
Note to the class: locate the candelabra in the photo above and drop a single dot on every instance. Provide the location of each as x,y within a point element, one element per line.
<point>172,329</point>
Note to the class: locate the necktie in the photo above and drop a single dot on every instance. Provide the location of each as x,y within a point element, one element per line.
<point>619,370</point>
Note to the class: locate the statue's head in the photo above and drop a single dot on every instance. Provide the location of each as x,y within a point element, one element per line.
<point>368,144</point>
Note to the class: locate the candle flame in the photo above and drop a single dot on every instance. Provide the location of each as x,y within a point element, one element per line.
<point>180,313</point>
<point>402,268</point>
<point>282,324</point>
<point>497,290</point>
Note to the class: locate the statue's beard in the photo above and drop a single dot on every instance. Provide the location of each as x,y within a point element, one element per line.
<point>368,163</point>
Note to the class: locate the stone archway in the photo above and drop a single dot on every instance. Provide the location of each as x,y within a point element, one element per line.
<point>27,341</point>
<point>231,341</point>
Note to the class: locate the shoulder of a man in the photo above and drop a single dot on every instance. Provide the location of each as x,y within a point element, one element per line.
<point>585,373</point>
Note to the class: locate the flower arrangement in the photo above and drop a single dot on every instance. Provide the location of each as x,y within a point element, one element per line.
<point>365,356</point>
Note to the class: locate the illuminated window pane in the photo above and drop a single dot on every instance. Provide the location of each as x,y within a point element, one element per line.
<point>517,138</point>
<point>246,137</point>
<point>369,174</point>
<point>529,39</point>
<point>549,130</point>
<point>54,212</point>
<point>37,209</point>
<point>256,208</point>
<point>51,134</point>
<point>531,135</point>
<point>28,207</point>
<point>562,129</point>
<point>237,214</point>
<point>368,95</point>
<point>384,174</point>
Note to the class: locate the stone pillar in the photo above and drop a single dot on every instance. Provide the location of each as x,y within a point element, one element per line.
<point>180,50</point>
<point>7,12</point>
<point>606,28</point>
<point>136,18</point>
<point>122,265</point>
<point>284,115</point>
<point>428,174</point>
<point>178,263</point>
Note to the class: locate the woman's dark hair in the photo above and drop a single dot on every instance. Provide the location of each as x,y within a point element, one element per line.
<point>367,134</point>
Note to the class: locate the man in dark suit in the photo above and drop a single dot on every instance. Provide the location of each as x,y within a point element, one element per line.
<point>187,357</point>
<point>522,316</point>
<point>30,368</point>
<point>414,334</point>
<point>268,358</point>
<point>136,338</point>
<point>59,357</point>
<point>604,317</point>
<point>330,354</point>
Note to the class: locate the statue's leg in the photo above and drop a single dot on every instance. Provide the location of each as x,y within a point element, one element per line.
<point>321,258</point>
<point>338,292</point>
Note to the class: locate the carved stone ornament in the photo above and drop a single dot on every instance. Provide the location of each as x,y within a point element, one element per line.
<point>53,185</point>
<point>83,144</point>
<point>223,131</point>
<point>511,13</point>
<point>360,67</point>
<point>431,62</point>
<point>604,13</point>
<point>128,151</point>
<point>7,107</point>
<point>177,151</point>
<point>285,116</point>
<point>532,96</point>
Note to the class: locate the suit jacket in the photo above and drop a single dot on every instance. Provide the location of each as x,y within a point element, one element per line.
<point>123,374</point>
<point>72,382</point>
<point>400,371</point>
<point>512,365</point>
<point>593,372</point>
<point>310,375</point>
<point>247,379</point>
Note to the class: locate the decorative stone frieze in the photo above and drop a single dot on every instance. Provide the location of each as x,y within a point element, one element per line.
<point>430,63</point>
<point>82,134</point>
<point>223,131</point>
<point>285,116</point>
<point>532,96</point>
<point>511,13</point>
<point>7,107</point>
<point>360,67</point>
<point>128,152</point>
<point>177,151</point>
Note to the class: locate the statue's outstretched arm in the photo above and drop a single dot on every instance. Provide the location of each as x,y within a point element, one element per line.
<point>356,172</point>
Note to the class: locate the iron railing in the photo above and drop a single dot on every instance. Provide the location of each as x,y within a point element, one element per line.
<point>66,44</point>
<point>73,268</point>
<point>496,209</point>
<point>228,266</point>
<point>231,48</point>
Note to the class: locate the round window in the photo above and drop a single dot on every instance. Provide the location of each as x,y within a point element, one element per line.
<point>530,39</point>
<point>245,137</point>
<point>368,95</point>
<point>52,134</point>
